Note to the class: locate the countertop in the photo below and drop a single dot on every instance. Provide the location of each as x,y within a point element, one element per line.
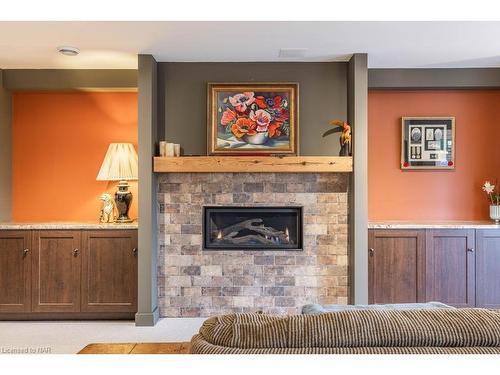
<point>65,226</point>
<point>433,225</point>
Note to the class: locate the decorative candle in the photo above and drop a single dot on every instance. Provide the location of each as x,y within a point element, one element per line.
<point>163,150</point>
<point>169,149</point>
<point>177,149</point>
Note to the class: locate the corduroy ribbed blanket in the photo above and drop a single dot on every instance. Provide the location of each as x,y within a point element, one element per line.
<point>447,331</point>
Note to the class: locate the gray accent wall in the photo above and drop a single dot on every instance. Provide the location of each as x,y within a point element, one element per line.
<point>5,152</point>
<point>471,78</point>
<point>183,107</point>
<point>148,313</point>
<point>358,205</point>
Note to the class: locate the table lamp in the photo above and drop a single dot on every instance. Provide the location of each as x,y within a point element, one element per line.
<point>120,164</point>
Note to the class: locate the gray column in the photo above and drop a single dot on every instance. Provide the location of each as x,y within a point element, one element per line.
<point>5,153</point>
<point>358,117</point>
<point>148,313</point>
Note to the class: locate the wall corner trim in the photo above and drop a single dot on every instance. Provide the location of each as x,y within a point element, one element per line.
<point>5,151</point>
<point>358,204</point>
<point>147,319</point>
<point>148,221</point>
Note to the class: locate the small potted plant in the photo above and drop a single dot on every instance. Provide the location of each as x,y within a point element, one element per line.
<point>494,197</point>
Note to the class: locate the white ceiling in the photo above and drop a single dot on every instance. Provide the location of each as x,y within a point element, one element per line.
<point>116,44</point>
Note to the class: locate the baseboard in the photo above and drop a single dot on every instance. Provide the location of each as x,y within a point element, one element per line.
<point>148,319</point>
<point>67,316</point>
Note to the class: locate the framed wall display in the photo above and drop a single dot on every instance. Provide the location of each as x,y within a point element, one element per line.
<point>428,143</point>
<point>252,118</point>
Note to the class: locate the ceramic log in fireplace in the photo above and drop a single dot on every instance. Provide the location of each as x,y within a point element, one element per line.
<point>252,228</point>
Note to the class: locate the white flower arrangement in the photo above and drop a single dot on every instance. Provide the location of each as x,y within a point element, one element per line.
<point>492,192</point>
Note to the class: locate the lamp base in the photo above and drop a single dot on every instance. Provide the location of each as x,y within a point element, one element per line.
<point>123,199</point>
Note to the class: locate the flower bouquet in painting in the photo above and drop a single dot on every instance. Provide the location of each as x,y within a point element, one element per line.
<point>250,119</point>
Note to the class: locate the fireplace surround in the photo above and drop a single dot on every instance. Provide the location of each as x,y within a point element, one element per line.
<point>194,282</point>
<point>252,228</point>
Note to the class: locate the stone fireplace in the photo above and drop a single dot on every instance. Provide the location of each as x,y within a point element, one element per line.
<point>195,280</point>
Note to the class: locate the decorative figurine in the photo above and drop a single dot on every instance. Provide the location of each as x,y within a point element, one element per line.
<point>107,209</point>
<point>345,136</point>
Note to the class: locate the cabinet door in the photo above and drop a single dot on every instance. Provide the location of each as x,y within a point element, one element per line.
<point>450,267</point>
<point>15,271</point>
<point>395,263</point>
<point>488,268</point>
<point>56,271</point>
<point>110,271</point>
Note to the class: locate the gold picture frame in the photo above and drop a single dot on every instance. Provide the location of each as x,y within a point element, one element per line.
<point>252,118</point>
<point>428,143</point>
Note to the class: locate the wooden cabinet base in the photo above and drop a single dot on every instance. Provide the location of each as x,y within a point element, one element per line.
<point>459,267</point>
<point>68,274</point>
<point>68,316</point>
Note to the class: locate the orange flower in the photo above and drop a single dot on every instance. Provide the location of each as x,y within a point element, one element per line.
<point>243,126</point>
<point>274,129</point>
<point>227,117</point>
<point>260,101</point>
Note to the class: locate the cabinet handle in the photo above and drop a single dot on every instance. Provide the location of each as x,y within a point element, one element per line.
<point>371,250</point>
<point>25,252</point>
<point>470,249</point>
<point>75,252</point>
<point>134,251</point>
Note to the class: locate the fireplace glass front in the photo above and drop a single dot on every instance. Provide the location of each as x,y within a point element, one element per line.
<point>252,228</point>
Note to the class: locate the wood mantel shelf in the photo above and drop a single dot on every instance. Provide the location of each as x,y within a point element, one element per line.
<point>211,164</point>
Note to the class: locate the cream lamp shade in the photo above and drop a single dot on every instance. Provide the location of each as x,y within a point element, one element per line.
<point>120,163</point>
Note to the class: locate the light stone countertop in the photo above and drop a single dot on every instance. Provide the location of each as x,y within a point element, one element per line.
<point>65,226</point>
<point>433,225</point>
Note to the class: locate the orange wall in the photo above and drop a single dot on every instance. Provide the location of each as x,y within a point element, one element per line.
<point>432,195</point>
<point>59,141</point>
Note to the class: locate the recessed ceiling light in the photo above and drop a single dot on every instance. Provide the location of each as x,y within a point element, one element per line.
<point>292,52</point>
<point>68,51</point>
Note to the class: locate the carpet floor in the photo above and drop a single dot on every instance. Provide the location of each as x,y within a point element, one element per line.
<point>69,337</point>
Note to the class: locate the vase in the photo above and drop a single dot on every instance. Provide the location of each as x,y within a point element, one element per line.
<point>256,139</point>
<point>495,213</point>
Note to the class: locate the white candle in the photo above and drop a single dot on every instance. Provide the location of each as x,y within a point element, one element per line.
<point>177,149</point>
<point>163,149</point>
<point>169,149</point>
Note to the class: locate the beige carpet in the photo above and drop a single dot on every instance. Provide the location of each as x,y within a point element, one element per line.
<point>69,337</point>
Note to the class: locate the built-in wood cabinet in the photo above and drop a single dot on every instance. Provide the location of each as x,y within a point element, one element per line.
<point>89,274</point>
<point>450,266</point>
<point>459,267</point>
<point>109,271</point>
<point>56,271</point>
<point>15,271</point>
<point>395,260</point>
<point>488,268</point>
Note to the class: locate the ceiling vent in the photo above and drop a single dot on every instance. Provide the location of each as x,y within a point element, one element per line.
<point>292,52</point>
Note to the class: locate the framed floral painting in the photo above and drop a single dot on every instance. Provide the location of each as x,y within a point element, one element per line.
<point>253,118</point>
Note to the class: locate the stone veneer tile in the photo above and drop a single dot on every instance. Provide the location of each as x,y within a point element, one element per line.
<point>211,291</point>
<point>193,282</point>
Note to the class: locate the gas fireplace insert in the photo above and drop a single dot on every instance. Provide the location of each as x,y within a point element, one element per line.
<point>252,228</point>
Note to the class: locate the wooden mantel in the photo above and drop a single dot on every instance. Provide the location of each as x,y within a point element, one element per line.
<point>296,164</point>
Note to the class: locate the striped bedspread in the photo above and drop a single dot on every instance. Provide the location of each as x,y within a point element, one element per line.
<point>446,331</point>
